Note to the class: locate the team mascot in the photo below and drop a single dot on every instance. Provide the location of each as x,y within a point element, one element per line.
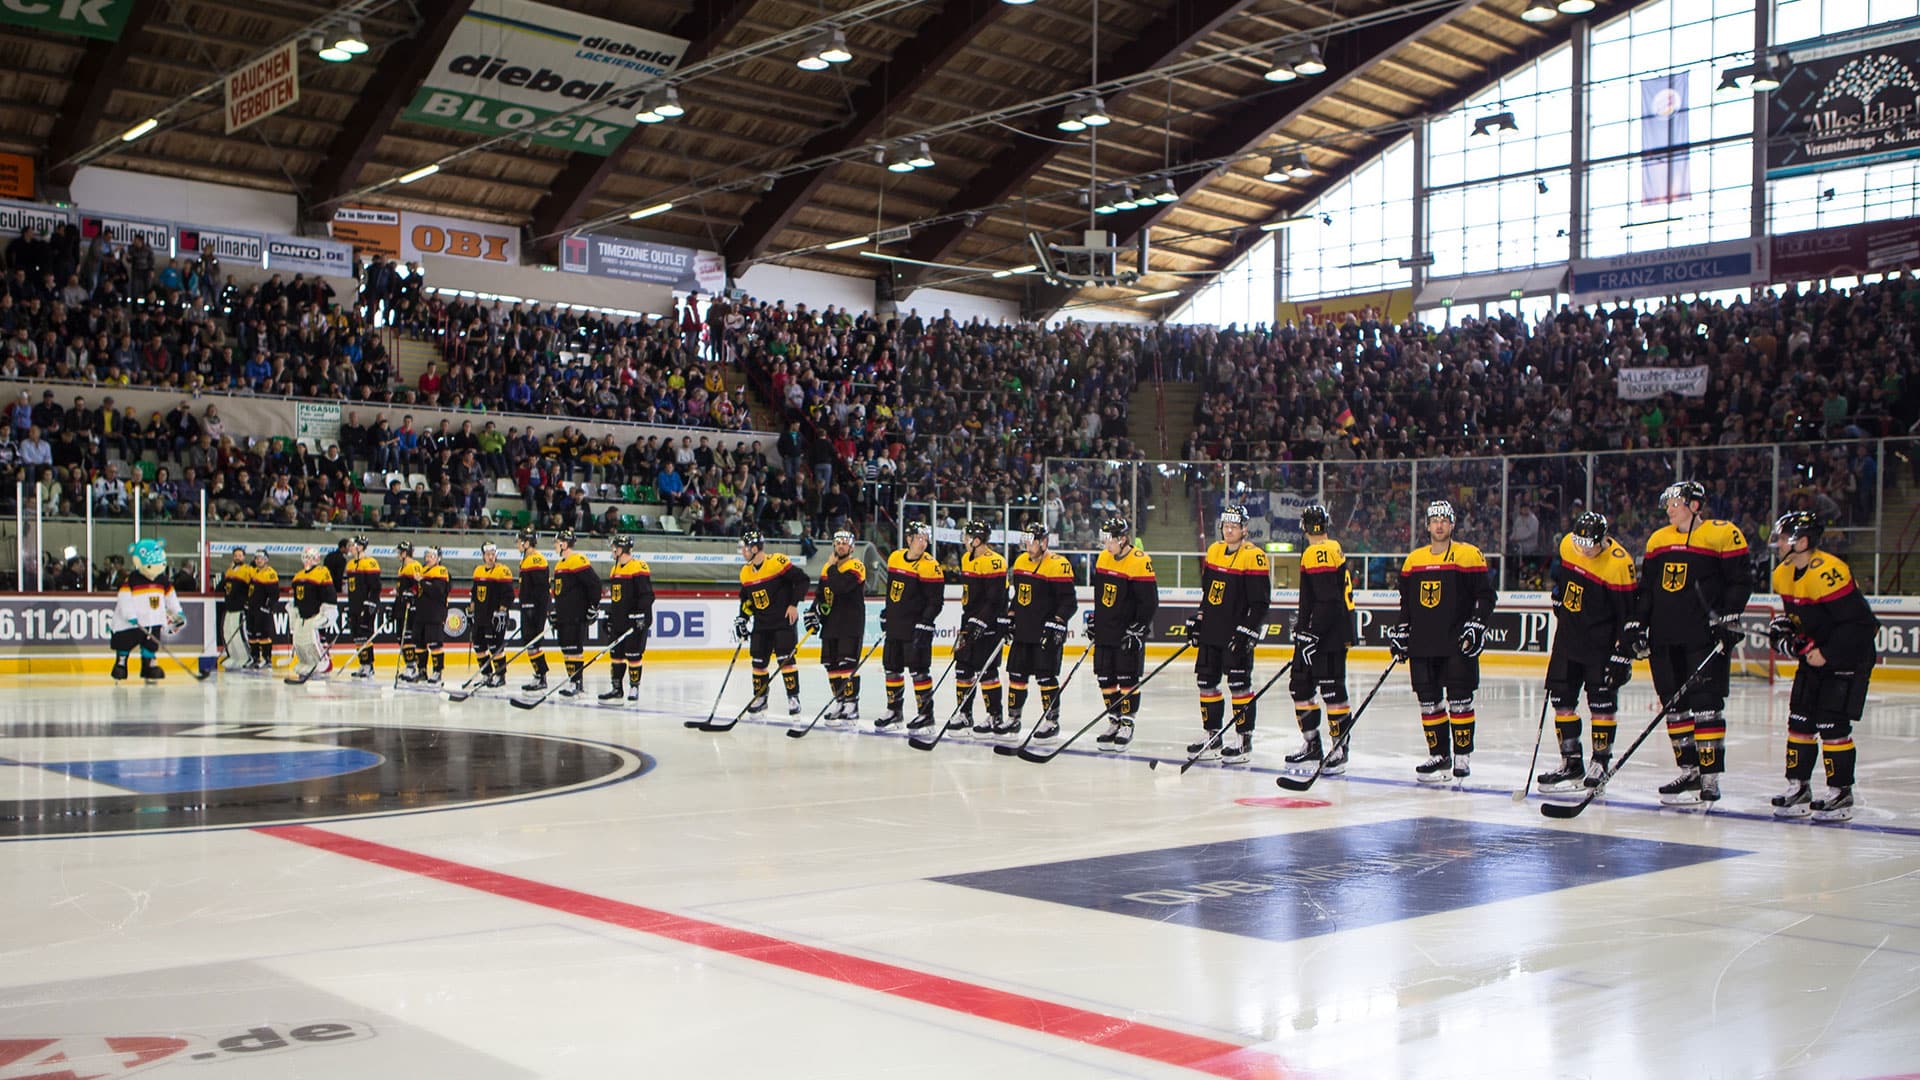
<point>146,604</point>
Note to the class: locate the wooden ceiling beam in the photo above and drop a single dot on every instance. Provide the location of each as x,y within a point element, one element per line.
<point>88,92</point>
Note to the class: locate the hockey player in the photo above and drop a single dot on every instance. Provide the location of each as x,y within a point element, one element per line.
<point>313,609</point>
<point>983,604</point>
<point>145,604</point>
<point>631,584</point>
<point>1830,629</point>
<point>1593,586</point>
<point>363,604</point>
<point>1236,595</point>
<point>536,601</point>
<point>233,610</point>
<point>263,602</point>
<point>1694,584</point>
<point>1040,606</point>
<point>771,591</point>
<point>406,611</point>
<point>430,619</point>
<point>1125,596</point>
<point>1322,630</point>
<point>839,615</point>
<point>576,605</point>
<point>1446,598</point>
<point>916,590</point>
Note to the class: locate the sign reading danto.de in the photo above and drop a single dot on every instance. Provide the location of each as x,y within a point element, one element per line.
<point>263,86</point>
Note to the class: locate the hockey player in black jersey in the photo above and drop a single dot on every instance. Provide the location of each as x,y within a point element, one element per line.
<point>1040,605</point>
<point>1446,598</point>
<point>983,603</point>
<point>916,591</point>
<point>1321,632</point>
<point>1236,595</point>
<point>771,592</point>
<point>839,616</point>
<point>1830,629</point>
<point>1125,597</point>
<point>1593,582</point>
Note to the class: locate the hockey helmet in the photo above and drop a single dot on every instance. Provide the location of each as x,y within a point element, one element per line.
<point>564,536</point>
<point>358,541</point>
<point>404,547</point>
<point>1795,524</point>
<point>489,548</point>
<point>623,543</point>
<point>310,556</point>
<point>527,536</point>
<point>1441,508</point>
<point>1590,528</point>
<point>1116,527</point>
<point>1314,518</point>
<point>752,538</point>
<point>843,536</point>
<point>917,528</point>
<point>979,530</point>
<point>1234,514</point>
<point>1036,530</point>
<point>433,550</point>
<point>1687,491</point>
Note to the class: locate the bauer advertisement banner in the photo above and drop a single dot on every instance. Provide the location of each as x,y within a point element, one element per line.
<point>568,80</point>
<point>1846,100</point>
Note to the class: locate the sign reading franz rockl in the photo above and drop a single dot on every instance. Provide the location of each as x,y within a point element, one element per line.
<point>1734,264</point>
<point>1845,100</point>
<point>515,66</point>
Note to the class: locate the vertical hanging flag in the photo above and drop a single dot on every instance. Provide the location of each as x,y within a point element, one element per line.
<point>1664,173</point>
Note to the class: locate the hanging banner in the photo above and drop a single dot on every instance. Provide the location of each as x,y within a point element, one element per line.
<point>306,255</point>
<point>1665,176</point>
<point>1639,384</point>
<point>103,19</point>
<point>644,260</point>
<point>317,422</point>
<point>15,216</point>
<point>243,248</point>
<point>1848,251</point>
<point>263,86</point>
<point>373,232</point>
<point>1845,100</point>
<point>515,66</point>
<point>1734,264</point>
<point>122,230</point>
<point>1389,306</point>
<point>16,176</point>
<point>456,238</point>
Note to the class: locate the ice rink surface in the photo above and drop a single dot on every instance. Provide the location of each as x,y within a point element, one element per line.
<point>347,880</point>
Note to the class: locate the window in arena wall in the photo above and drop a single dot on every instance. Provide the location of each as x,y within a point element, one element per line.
<point>1371,231</point>
<point>1799,20</point>
<point>1243,293</point>
<point>1677,39</point>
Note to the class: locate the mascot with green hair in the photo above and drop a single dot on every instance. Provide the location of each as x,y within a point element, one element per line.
<point>146,605</point>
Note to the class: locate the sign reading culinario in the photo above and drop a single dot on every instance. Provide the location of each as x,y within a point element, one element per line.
<point>1849,99</point>
<point>643,260</point>
<point>516,66</point>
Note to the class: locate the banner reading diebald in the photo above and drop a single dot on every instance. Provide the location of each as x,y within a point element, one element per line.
<point>1848,99</point>
<point>514,66</point>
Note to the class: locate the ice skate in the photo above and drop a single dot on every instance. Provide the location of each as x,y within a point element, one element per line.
<point>890,718</point>
<point>1683,790</point>
<point>538,682</point>
<point>120,669</point>
<point>1116,727</point>
<point>1597,771</point>
<point>793,705</point>
<point>1462,766</point>
<point>1006,727</point>
<point>1570,776</point>
<point>1236,751</point>
<point>614,693</point>
<point>1307,758</point>
<point>959,724</point>
<point>1207,749</point>
<point>1434,770</point>
<point>1795,802</point>
<point>920,722</point>
<point>1336,762</point>
<point>1837,806</point>
<point>758,705</point>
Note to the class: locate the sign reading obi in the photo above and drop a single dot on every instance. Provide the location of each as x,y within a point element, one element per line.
<point>1638,384</point>
<point>515,66</point>
<point>1847,99</point>
<point>1734,264</point>
<point>392,234</point>
<point>643,260</point>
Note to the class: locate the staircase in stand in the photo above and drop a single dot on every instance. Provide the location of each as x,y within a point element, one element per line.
<point>1164,410</point>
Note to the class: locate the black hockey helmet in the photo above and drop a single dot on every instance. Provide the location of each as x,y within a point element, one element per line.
<point>1314,518</point>
<point>752,538</point>
<point>404,547</point>
<point>564,536</point>
<point>917,528</point>
<point>359,541</point>
<point>1234,514</point>
<point>1590,527</point>
<point>623,542</point>
<point>528,536</point>
<point>1036,530</point>
<point>1795,524</point>
<point>1688,491</point>
<point>1441,508</point>
<point>1116,527</point>
<point>979,530</point>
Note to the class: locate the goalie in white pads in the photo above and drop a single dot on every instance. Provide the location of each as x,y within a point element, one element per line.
<point>313,609</point>
<point>1593,587</point>
<point>1830,629</point>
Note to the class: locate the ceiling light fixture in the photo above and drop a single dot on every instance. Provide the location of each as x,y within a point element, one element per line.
<point>1538,12</point>
<point>1767,74</point>
<point>1152,296</point>
<point>834,47</point>
<point>851,241</point>
<point>1497,122</point>
<point>1166,194</point>
<point>669,103</point>
<point>420,173</point>
<point>1026,269</point>
<point>1576,7</point>
<point>1276,171</point>
<point>1070,121</point>
<point>1310,62</point>
<point>351,42</point>
<point>647,212</point>
<point>922,156</point>
<point>140,129</point>
<point>333,54</point>
<point>1298,167</point>
<point>899,160</point>
<point>1096,114</point>
<point>1280,71</point>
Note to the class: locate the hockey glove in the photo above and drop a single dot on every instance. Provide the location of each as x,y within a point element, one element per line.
<point>1619,670</point>
<point>1400,640</point>
<point>740,628</point>
<point>1473,638</point>
<point>1136,635</point>
<point>643,622</point>
<point>1787,640</point>
<point>593,614</point>
<point>329,614</point>
<point>175,623</point>
<point>1086,621</point>
<point>923,628</point>
<point>1193,624</point>
<point>1004,624</point>
<point>1056,633</point>
<point>811,617</point>
<point>553,621</point>
<point>1244,639</point>
<point>977,628</point>
<point>1304,646</point>
<point>1727,629</point>
<point>1633,641</point>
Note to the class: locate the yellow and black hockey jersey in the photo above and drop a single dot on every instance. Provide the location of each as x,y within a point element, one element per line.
<point>916,591</point>
<point>1440,591</point>
<point>312,588</point>
<point>536,588</point>
<point>983,586</point>
<point>1039,592</point>
<point>1688,578</point>
<point>406,583</point>
<point>770,588</point>
<point>1326,594</point>
<point>1826,605</point>
<point>492,591</point>
<point>263,591</point>
<point>1592,599</point>
<point>363,581</point>
<point>1236,589</point>
<point>630,586</point>
<point>435,586</point>
<point>1124,594</point>
<point>841,598</point>
<point>576,587</point>
<point>234,585</point>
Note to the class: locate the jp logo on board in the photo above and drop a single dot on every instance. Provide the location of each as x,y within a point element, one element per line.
<point>78,778</point>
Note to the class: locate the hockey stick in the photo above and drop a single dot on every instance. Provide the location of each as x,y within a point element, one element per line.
<point>728,726</point>
<point>567,680</point>
<point>472,686</point>
<point>325,646</point>
<point>405,618</point>
<point>801,733</point>
<point>1213,741</point>
<point>1132,691</point>
<point>1296,783</point>
<point>161,646</point>
<point>1569,810</point>
<point>972,692</point>
<point>724,679</point>
<point>932,689</point>
<point>1046,714</point>
<point>1539,734</point>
